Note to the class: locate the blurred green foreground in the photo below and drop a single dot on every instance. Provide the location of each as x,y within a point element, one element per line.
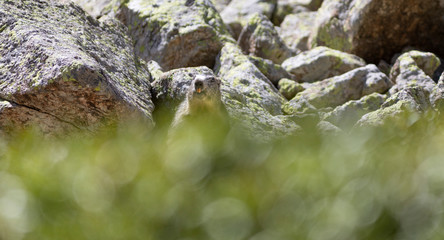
<point>132,183</point>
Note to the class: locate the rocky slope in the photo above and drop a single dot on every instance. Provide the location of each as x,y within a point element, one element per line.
<point>280,62</point>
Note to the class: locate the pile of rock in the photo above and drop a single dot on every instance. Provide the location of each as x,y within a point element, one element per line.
<point>279,61</point>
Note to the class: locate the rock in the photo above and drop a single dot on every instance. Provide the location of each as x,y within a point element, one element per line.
<point>15,117</point>
<point>170,88</point>
<point>400,107</point>
<point>310,4</point>
<point>289,88</point>
<point>93,7</point>
<point>384,67</point>
<point>155,69</point>
<point>250,98</point>
<point>346,115</point>
<point>175,34</point>
<point>326,128</point>
<point>283,10</point>
<point>338,90</point>
<point>295,30</point>
<point>273,72</point>
<point>414,68</point>
<point>220,5</point>
<point>321,63</point>
<point>377,29</point>
<point>260,38</point>
<point>237,13</point>
<point>437,96</point>
<point>60,64</point>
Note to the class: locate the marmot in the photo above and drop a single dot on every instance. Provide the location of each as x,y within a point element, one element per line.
<point>203,101</point>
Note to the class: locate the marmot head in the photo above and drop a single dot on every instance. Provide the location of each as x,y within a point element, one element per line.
<point>204,90</point>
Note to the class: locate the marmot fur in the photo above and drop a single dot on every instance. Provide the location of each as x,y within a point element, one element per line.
<point>203,100</point>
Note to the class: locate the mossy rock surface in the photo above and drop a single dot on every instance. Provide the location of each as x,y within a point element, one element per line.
<point>274,72</point>
<point>59,62</point>
<point>260,38</point>
<point>402,108</point>
<point>250,98</point>
<point>346,115</point>
<point>237,13</point>
<point>296,28</point>
<point>338,90</point>
<point>175,34</point>
<point>414,68</point>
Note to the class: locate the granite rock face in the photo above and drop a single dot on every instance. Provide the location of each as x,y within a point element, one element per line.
<point>238,12</point>
<point>175,34</point>
<point>260,38</point>
<point>321,63</point>
<point>296,29</point>
<point>377,29</point>
<point>61,69</point>
<point>414,68</point>
<point>250,97</point>
<point>338,90</point>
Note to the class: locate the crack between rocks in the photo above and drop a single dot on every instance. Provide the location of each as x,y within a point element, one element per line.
<point>43,112</point>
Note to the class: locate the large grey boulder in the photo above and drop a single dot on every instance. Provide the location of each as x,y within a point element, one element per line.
<point>414,68</point>
<point>346,115</point>
<point>237,13</point>
<point>175,34</point>
<point>260,38</point>
<point>338,90</point>
<point>400,108</point>
<point>250,98</point>
<point>377,29</point>
<point>321,63</point>
<point>61,69</point>
<point>295,30</point>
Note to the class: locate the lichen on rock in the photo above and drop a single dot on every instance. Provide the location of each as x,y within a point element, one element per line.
<point>338,90</point>
<point>59,62</point>
<point>346,115</point>
<point>175,34</point>
<point>296,28</point>
<point>320,63</point>
<point>250,97</point>
<point>237,13</point>
<point>402,108</point>
<point>414,68</point>
<point>260,38</point>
